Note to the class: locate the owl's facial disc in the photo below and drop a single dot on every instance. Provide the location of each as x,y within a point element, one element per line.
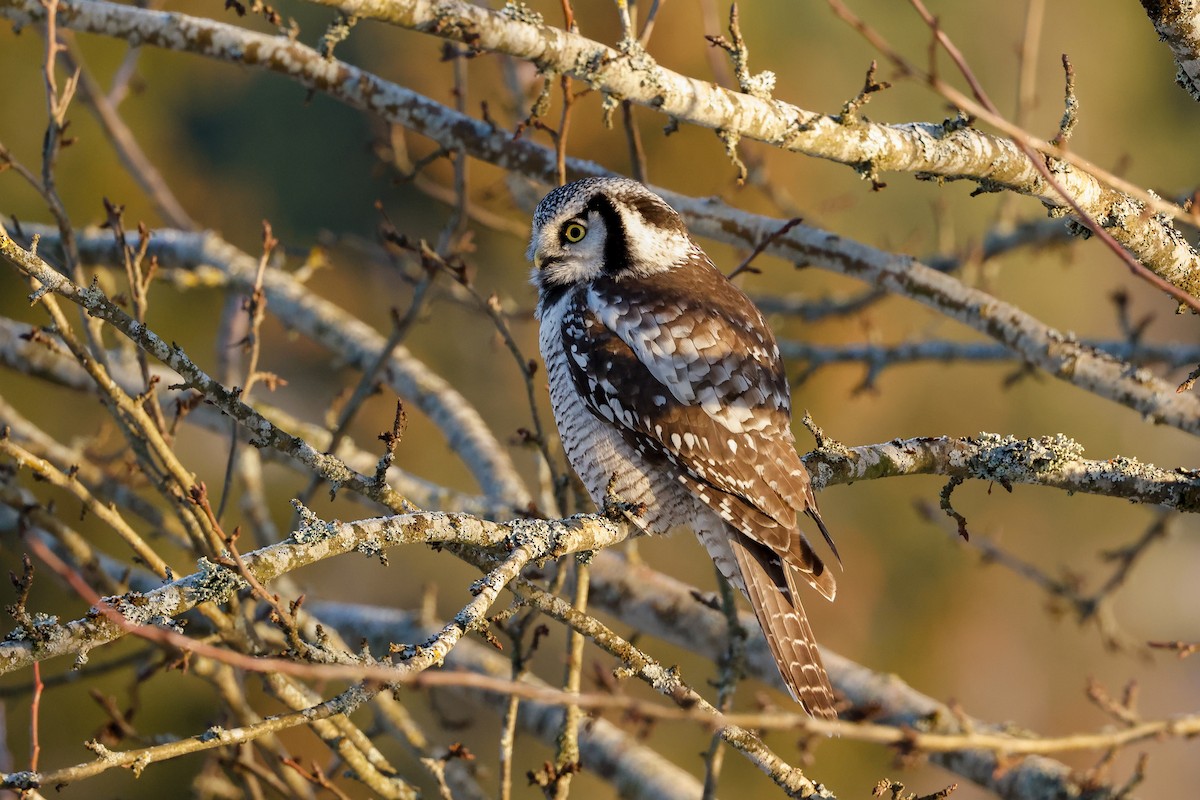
<point>568,249</point>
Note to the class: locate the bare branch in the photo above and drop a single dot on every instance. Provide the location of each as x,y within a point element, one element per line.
<point>1178,24</point>
<point>922,148</point>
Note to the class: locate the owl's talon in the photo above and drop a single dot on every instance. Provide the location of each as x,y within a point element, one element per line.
<point>617,509</point>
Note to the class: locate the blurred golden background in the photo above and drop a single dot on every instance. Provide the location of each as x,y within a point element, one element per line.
<point>239,146</point>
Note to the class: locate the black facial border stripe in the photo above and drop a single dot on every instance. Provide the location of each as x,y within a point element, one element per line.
<point>616,246</point>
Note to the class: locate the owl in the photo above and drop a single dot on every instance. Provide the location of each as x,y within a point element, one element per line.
<point>669,393</point>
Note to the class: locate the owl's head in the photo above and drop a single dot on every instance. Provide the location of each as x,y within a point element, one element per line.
<point>596,227</point>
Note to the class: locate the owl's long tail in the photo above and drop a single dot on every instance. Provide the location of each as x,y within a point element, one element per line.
<point>783,621</point>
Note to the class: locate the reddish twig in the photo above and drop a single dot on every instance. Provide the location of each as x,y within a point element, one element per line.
<point>985,110</point>
<point>763,245</point>
<point>35,707</point>
<point>1038,161</point>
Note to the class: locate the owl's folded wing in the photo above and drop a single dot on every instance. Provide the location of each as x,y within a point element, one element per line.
<point>702,387</point>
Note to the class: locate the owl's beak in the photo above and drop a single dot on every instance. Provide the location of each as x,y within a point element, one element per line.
<point>541,262</point>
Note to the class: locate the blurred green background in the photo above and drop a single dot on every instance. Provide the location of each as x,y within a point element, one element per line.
<point>239,146</point>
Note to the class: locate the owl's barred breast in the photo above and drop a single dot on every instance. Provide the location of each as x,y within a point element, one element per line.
<point>597,451</point>
<point>602,457</point>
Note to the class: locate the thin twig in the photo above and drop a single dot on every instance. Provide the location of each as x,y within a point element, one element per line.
<point>568,98</point>
<point>727,679</point>
<point>567,757</point>
<point>633,139</point>
<point>124,143</point>
<point>255,307</point>
<point>1027,69</point>
<point>35,716</point>
<point>761,246</point>
<point>367,383</point>
<point>138,280</point>
<point>985,109</point>
<point>648,25</point>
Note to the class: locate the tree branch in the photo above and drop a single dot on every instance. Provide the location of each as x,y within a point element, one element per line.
<point>1178,24</point>
<point>933,149</point>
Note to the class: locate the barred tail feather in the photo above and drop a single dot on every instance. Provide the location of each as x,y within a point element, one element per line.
<point>785,626</point>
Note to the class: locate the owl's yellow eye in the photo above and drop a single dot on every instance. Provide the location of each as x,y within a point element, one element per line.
<point>574,232</point>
